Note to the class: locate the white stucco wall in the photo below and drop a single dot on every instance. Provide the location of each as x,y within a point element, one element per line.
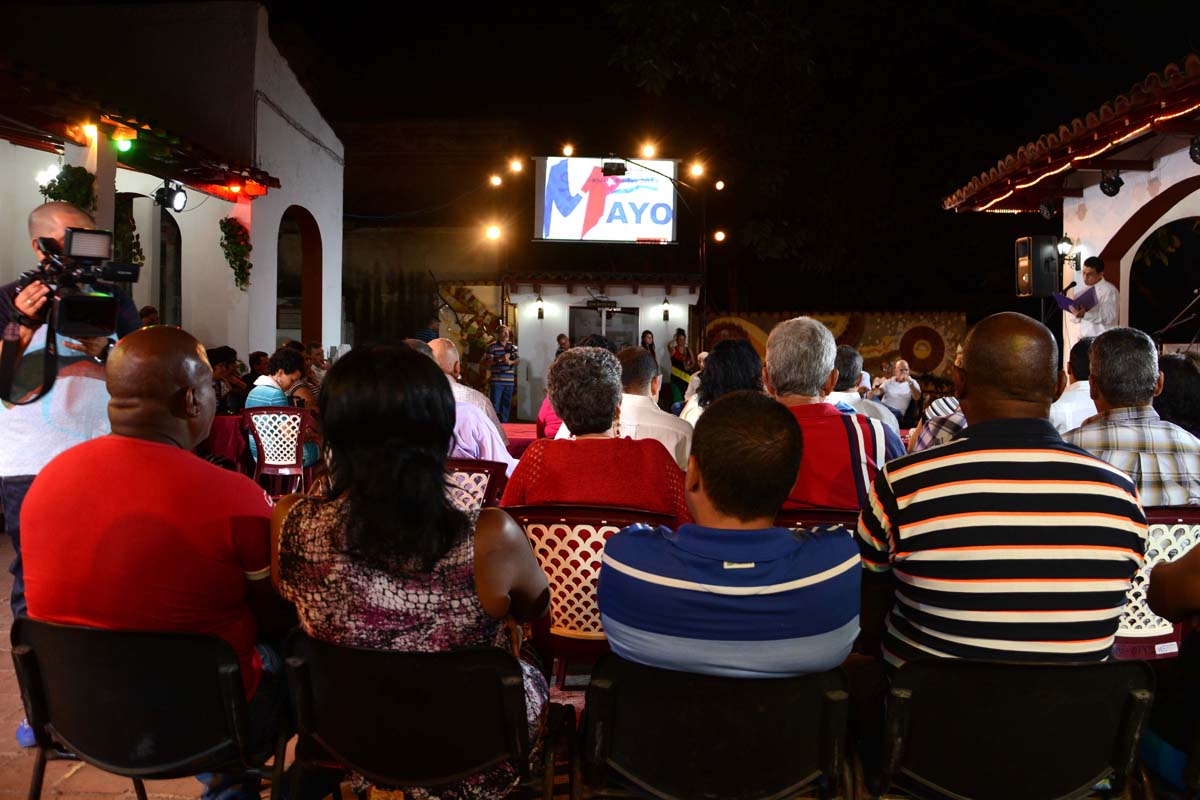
<point>537,336</point>
<point>1092,220</point>
<point>295,144</point>
<point>18,196</point>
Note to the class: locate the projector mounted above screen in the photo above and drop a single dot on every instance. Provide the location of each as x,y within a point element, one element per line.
<point>578,202</point>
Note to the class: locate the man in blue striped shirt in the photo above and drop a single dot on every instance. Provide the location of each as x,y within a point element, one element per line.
<point>733,595</point>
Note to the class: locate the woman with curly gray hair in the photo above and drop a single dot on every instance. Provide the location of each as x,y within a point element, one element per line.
<point>595,467</point>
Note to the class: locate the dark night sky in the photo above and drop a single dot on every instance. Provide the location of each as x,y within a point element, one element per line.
<point>896,105</point>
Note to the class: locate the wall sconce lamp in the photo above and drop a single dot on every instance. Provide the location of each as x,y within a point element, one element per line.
<point>1064,246</point>
<point>541,306</point>
<point>666,310</point>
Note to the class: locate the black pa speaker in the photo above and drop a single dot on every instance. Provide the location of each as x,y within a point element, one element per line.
<point>1037,266</point>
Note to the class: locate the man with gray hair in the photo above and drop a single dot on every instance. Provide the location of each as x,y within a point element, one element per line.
<point>842,452</point>
<point>1161,458</point>
<point>445,353</point>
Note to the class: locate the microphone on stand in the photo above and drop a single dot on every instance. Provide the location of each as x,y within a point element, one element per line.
<point>1069,286</point>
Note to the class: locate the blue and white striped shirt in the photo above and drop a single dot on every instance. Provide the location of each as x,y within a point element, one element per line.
<point>751,604</point>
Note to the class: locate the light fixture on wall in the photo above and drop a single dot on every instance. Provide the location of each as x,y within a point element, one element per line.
<point>541,306</point>
<point>1194,149</point>
<point>666,310</point>
<point>1064,246</point>
<point>172,197</point>
<point>1110,182</point>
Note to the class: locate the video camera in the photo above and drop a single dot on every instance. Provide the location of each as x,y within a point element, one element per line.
<point>78,309</point>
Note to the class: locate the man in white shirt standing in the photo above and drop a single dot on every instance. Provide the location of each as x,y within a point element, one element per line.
<point>1104,314</point>
<point>1075,405</point>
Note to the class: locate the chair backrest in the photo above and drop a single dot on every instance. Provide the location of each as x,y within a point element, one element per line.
<point>277,436</point>
<point>132,703</point>
<point>475,483</point>
<point>810,517</point>
<point>990,730</point>
<point>409,719</point>
<point>568,542</point>
<point>675,734</point>
<point>1173,532</point>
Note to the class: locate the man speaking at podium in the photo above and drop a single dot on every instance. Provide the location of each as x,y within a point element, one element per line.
<point>1100,317</point>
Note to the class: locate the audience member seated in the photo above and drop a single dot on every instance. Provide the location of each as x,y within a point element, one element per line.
<point>258,364</point>
<point>1075,405</point>
<point>385,561</point>
<point>229,388</point>
<point>1006,543</point>
<point>283,370</point>
<point>842,452</point>
<point>641,418</point>
<point>549,423</point>
<point>1162,458</point>
<point>305,392</point>
<point>848,390</point>
<point>899,392</point>
<point>733,594</point>
<point>1179,400</point>
<point>445,353</point>
<point>943,420</point>
<point>316,357</point>
<point>151,554</point>
<point>732,366</point>
<point>845,398</point>
<point>594,468</point>
<point>148,316</point>
<point>1174,594</point>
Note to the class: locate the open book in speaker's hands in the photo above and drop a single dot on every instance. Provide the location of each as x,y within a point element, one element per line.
<point>1087,300</point>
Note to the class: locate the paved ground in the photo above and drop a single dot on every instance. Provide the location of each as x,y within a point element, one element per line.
<point>74,779</point>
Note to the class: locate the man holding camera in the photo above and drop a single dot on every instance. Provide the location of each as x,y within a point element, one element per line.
<point>75,409</point>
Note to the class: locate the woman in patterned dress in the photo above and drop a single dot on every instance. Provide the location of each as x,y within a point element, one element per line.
<point>385,560</point>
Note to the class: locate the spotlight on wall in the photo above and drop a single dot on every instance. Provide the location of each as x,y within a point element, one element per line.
<point>666,309</point>
<point>541,307</point>
<point>1110,182</point>
<point>1064,246</point>
<point>1194,149</point>
<point>172,197</point>
<point>1047,209</point>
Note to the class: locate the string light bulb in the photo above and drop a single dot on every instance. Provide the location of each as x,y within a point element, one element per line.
<point>648,150</point>
<point>495,180</point>
<point>515,165</point>
<point>568,150</point>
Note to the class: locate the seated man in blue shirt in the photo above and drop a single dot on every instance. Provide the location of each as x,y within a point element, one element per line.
<point>732,594</point>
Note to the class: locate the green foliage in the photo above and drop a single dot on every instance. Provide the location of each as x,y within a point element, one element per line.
<point>1162,244</point>
<point>127,242</point>
<point>74,185</point>
<point>235,242</point>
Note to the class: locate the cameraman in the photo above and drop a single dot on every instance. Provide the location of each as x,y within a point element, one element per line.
<point>76,407</point>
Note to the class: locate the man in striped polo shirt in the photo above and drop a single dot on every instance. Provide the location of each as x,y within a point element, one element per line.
<point>842,452</point>
<point>732,594</point>
<point>1005,543</point>
<point>501,356</point>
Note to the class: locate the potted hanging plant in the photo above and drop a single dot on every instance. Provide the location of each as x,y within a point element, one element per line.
<point>74,185</point>
<point>235,241</point>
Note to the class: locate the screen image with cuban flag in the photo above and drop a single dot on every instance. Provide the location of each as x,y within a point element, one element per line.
<point>577,202</point>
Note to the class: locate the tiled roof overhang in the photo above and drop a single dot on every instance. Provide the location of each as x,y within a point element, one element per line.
<point>1166,103</point>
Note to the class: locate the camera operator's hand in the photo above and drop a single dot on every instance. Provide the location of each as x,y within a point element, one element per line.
<point>29,301</point>
<point>92,345</point>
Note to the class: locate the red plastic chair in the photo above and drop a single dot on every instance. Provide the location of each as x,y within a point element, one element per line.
<point>278,438</point>
<point>475,483</point>
<point>1142,634</point>
<point>568,542</point>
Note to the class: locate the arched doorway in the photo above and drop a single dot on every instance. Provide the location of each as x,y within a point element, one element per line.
<point>298,296</point>
<point>1163,280</point>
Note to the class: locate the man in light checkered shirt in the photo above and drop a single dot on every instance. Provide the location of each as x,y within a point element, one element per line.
<point>1162,458</point>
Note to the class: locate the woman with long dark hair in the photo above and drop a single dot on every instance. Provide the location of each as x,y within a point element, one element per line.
<point>733,365</point>
<point>385,560</point>
<point>648,343</point>
<point>682,365</point>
